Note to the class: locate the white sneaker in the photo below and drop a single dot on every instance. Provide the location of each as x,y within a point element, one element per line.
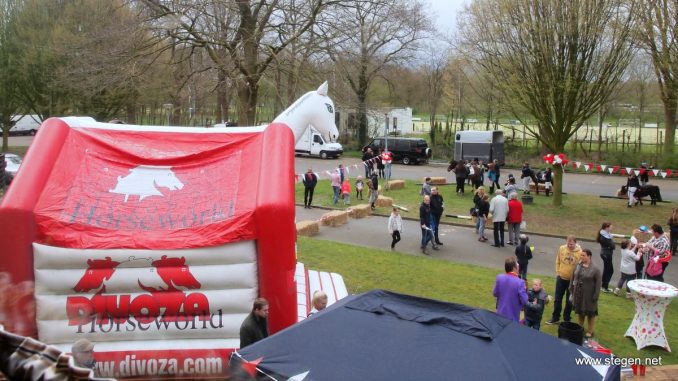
<point>616,291</point>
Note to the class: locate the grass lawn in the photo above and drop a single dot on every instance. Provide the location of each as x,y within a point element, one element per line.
<point>580,215</point>
<point>365,269</point>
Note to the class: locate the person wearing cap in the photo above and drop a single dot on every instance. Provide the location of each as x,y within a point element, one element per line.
<point>83,353</point>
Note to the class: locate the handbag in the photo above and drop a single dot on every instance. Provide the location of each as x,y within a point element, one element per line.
<point>654,267</point>
<point>473,212</point>
<point>523,225</point>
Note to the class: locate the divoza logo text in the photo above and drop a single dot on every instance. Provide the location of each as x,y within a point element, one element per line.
<point>160,303</point>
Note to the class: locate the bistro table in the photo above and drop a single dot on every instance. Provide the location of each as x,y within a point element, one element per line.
<point>651,298</point>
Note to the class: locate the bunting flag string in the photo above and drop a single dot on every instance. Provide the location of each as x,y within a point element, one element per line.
<point>299,177</point>
<point>611,169</point>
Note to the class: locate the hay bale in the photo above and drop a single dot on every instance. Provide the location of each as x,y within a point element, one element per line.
<point>308,228</point>
<point>437,180</point>
<point>383,201</point>
<point>642,237</point>
<point>396,184</point>
<point>542,188</point>
<point>334,218</point>
<point>360,211</point>
<point>380,190</point>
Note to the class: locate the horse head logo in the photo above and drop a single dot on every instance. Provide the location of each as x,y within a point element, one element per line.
<point>144,181</point>
<point>154,276</point>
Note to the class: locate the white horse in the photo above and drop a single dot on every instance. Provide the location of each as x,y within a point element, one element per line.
<point>313,108</point>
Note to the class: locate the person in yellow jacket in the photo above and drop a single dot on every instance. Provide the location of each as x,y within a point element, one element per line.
<point>566,261</point>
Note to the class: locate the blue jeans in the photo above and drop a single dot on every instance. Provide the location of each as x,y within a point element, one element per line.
<point>562,289</point>
<point>533,324</point>
<point>426,237</point>
<point>387,171</point>
<point>481,227</point>
<point>335,199</point>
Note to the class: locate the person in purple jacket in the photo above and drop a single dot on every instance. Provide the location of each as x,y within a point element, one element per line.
<point>510,292</point>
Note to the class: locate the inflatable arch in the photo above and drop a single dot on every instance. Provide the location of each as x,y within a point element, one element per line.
<point>153,241</point>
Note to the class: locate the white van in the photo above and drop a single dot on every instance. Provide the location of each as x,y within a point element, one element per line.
<point>313,144</point>
<point>25,125</point>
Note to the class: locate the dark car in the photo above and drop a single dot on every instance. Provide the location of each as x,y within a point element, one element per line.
<point>405,150</point>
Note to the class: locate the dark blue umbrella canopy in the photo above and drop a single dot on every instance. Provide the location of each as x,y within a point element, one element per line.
<point>381,335</point>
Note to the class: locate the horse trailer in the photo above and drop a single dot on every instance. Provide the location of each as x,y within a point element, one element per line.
<point>484,145</point>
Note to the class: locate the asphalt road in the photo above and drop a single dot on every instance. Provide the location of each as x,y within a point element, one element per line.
<point>596,184</point>
<point>460,244</point>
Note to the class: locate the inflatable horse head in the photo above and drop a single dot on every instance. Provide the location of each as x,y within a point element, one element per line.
<point>313,108</point>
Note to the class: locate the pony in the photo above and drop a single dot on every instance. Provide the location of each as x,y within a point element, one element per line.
<point>651,191</point>
<point>313,108</point>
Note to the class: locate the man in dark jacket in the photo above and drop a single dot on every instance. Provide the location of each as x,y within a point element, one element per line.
<point>426,221</point>
<point>437,206</point>
<point>255,325</point>
<point>310,180</point>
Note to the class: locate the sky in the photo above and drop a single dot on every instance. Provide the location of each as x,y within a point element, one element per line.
<point>446,12</point>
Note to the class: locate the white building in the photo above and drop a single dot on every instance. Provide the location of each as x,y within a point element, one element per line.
<point>398,120</point>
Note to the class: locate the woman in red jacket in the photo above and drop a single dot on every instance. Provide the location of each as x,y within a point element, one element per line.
<point>514,218</point>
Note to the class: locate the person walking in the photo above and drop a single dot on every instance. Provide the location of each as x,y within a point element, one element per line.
<point>607,247</point>
<point>514,218</point>
<point>310,180</point>
<point>437,206</point>
<point>335,181</point>
<point>373,185</point>
<point>425,219</point>
<point>499,211</point>
<point>493,175</point>
<point>585,289</point>
<point>524,254</point>
<point>510,291</point>
<point>536,300</point>
<point>566,260</point>
<point>395,226</point>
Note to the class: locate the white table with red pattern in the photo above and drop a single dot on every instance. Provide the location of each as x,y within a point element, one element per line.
<point>651,298</point>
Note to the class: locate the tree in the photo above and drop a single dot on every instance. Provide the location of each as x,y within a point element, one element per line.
<point>657,33</point>
<point>368,36</point>
<point>434,70</point>
<point>557,61</point>
<point>251,32</point>
<point>9,101</point>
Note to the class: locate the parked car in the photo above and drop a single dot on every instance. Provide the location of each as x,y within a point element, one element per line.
<point>12,162</point>
<point>405,150</point>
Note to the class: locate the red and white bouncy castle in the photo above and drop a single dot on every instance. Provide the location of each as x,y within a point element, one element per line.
<point>151,242</point>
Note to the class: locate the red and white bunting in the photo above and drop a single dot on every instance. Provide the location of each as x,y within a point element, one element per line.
<point>628,169</point>
<point>655,171</point>
<point>663,174</point>
<point>586,167</point>
<point>636,171</point>
<point>578,164</point>
<point>610,169</point>
<point>603,166</point>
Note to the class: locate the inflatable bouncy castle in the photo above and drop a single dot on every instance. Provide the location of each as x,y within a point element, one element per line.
<point>153,241</point>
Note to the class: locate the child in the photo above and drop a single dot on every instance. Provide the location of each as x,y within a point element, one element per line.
<point>373,184</point>
<point>425,187</point>
<point>524,254</point>
<point>395,226</point>
<point>346,192</point>
<point>534,309</point>
<point>628,267</point>
<point>359,185</point>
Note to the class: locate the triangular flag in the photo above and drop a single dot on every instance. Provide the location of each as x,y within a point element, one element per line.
<point>655,171</point>
<point>251,366</point>
<point>636,171</point>
<point>663,174</point>
<point>628,170</point>
<point>598,168</point>
<point>603,166</point>
<point>586,167</point>
<point>642,171</point>
<point>610,169</point>
<point>579,164</point>
<point>615,169</point>
<point>668,172</point>
<point>623,171</point>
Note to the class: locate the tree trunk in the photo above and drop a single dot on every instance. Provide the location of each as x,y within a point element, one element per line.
<point>557,185</point>
<point>222,97</point>
<point>247,107</point>
<point>669,128</point>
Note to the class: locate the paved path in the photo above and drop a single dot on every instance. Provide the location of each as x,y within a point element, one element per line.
<point>460,244</point>
<point>596,184</point>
